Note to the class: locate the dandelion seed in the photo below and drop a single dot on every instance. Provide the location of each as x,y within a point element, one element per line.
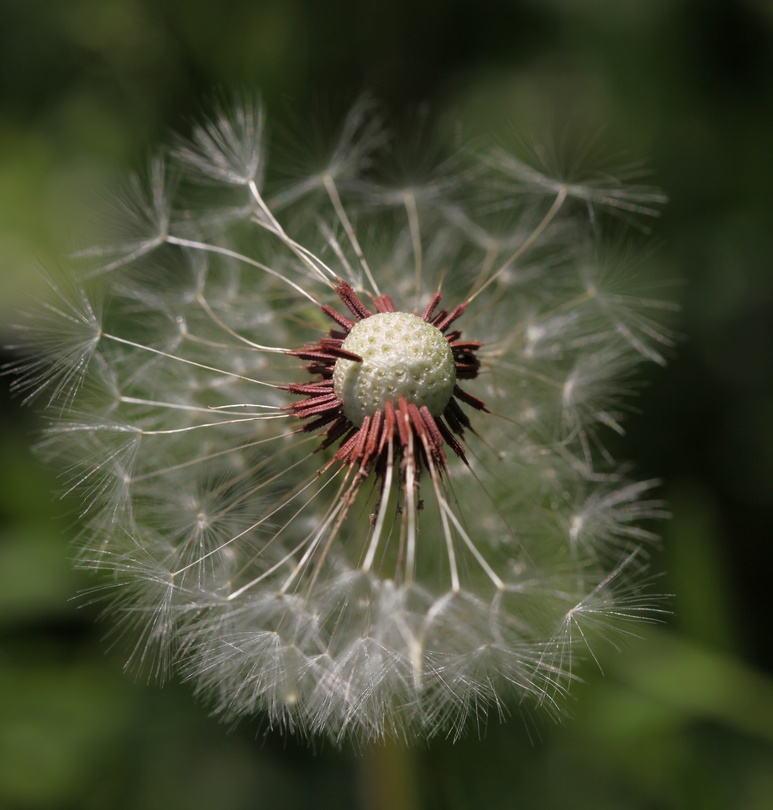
<point>341,446</point>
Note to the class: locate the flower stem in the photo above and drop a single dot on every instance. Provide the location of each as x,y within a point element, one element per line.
<point>389,778</point>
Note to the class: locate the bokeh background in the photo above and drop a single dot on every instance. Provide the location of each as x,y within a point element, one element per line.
<point>683,718</point>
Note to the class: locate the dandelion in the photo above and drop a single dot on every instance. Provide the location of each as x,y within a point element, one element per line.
<point>340,441</point>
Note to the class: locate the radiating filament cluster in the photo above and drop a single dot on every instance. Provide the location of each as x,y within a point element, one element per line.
<point>340,441</point>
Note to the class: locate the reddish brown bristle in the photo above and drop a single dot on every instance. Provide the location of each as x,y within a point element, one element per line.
<point>401,429</point>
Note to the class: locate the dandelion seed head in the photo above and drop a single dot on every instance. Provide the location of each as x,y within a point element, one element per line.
<point>341,444</point>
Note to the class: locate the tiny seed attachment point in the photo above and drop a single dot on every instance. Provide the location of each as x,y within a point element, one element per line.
<point>402,356</point>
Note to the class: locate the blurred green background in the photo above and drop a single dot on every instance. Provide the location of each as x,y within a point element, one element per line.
<point>683,718</point>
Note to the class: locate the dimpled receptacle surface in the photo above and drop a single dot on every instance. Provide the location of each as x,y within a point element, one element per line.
<point>402,356</point>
